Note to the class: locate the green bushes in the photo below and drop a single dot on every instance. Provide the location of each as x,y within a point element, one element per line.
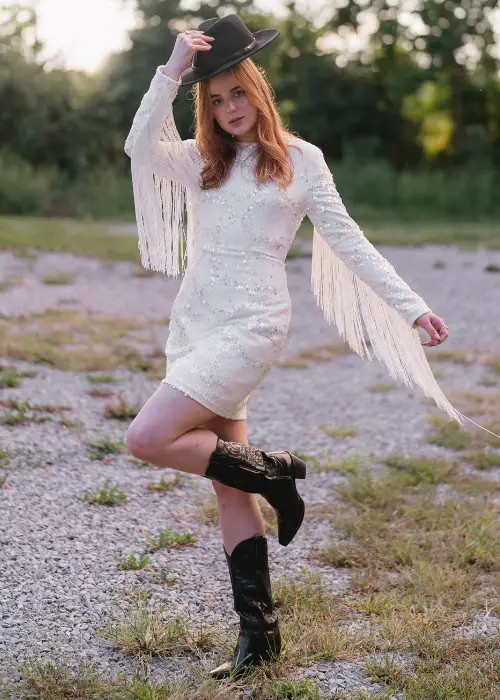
<point>466,193</point>
<point>372,191</point>
<point>100,194</point>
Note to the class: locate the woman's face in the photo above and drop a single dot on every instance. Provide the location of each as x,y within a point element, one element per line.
<point>229,102</point>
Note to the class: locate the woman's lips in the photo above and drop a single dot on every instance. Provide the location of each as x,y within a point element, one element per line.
<point>235,121</point>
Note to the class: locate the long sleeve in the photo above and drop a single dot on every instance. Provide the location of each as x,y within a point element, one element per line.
<point>359,290</point>
<point>164,171</point>
<point>330,219</point>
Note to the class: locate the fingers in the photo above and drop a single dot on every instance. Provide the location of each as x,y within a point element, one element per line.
<point>435,328</point>
<point>201,44</point>
<point>198,36</point>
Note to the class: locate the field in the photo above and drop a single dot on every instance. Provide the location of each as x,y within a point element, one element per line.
<point>114,582</point>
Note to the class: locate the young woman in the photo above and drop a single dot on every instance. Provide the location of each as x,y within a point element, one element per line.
<point>246,183</point>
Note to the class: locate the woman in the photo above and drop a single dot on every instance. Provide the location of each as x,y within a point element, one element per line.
<point>247,183</point>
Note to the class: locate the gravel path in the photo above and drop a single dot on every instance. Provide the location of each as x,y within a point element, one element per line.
<point>59,578</point>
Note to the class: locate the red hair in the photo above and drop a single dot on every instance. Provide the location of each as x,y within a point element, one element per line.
<point>218,147</point>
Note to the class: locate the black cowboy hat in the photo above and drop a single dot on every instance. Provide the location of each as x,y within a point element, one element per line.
<point>233,42</point>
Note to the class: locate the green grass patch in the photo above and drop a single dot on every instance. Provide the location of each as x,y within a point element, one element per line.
<point>82,238</point>
<point>141,631</point>
<point>77,340</point>
<point>106,496</point>
<point>59,278</point>
<point>101,379</point>
<point>100,448</point>
<point>316,354</point>
<point>422,567</point>
<point>165,485</point>
<point>169,540</point>
<point>133,563</point>
<point>340,433</point>
<point>411,233</point>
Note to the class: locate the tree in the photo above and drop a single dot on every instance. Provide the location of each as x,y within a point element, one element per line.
<point>452,42</point>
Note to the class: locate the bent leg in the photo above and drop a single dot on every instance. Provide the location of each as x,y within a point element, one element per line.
<point>240,516</point>
<point>165,432</point>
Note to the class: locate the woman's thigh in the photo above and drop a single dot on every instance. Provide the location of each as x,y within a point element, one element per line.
<point>227,429</point>
<point>167,415</point>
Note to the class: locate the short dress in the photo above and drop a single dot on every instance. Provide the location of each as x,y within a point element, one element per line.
<point>230,319</point>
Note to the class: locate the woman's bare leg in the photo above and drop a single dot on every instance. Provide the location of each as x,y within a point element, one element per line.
<point>165,432</point>
<point>240,516</point>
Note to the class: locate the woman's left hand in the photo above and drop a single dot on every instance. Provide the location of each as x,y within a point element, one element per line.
<point>435,327</point>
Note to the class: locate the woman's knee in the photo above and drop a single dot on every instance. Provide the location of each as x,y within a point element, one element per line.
<point>139,440</point>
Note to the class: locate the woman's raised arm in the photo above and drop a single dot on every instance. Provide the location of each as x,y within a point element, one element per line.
<point>164,167</point>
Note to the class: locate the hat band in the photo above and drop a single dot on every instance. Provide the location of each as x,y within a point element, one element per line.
<point>230,56</point>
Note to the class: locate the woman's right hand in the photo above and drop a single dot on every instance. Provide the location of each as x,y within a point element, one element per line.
<point>186,44</point>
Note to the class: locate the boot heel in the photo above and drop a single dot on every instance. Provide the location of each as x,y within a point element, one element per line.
<point>299,467</point>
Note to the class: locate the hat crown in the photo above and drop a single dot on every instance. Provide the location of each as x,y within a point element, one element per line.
<point>233,42</point>
<point>231,37</point>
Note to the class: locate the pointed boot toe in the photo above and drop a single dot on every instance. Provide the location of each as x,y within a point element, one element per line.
<point>270,474</point>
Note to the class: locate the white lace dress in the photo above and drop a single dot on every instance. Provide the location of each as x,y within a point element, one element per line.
<point>230,319</point>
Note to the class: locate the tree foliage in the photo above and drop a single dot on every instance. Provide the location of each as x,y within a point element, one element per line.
<point>423,89</point>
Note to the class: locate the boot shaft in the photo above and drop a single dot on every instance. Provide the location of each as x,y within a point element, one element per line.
<point>250,580</point>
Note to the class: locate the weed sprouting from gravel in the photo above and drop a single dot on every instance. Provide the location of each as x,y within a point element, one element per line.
<point>101,379</point>
<point>102,447</point>
<point>168,540</point>
<point>105,496</point>
<point>133,563</point>
<point>165,485</point>
<point>121,410</point>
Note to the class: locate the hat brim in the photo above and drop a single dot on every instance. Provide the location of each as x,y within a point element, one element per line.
<point>263,37</point>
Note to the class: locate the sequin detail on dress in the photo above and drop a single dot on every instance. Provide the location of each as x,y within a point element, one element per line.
<point>230,319</point>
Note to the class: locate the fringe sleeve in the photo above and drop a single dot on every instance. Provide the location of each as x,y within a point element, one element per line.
<point>354,285</point>
<point>164,171</point>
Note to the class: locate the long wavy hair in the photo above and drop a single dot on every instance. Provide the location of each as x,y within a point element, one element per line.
<point>218,147</point>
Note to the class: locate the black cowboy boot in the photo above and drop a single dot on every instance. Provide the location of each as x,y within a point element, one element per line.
<point>259,638</point>
<point>270,474</point>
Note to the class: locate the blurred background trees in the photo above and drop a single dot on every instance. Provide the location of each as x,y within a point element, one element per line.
<point>410,118</point>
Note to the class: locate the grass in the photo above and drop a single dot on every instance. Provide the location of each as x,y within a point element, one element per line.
<point>169,540</point>
<point>77,340</point>
<point>133,563</point>
<point>11,378</point>
<point>59,278</point>
<point>101,379</point>
<point>167,577</point>
<point>19,412</point>
<point>10,281</point>
<point>315,354</point>
<point>142,631</point>
<point>484,461</point>
<point>381,388</point>
<point>86,239</point>
<point>101,448</point>
<point>339,433</point>
<point>52,680</point>
<point>421,568</point>
<point>121,409</point>
<point>342,465</point>
<point>411,233</point>
<point>112,496</point>
<point>208,513</point>
<point>484,407</point>
<point>165,485</point>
